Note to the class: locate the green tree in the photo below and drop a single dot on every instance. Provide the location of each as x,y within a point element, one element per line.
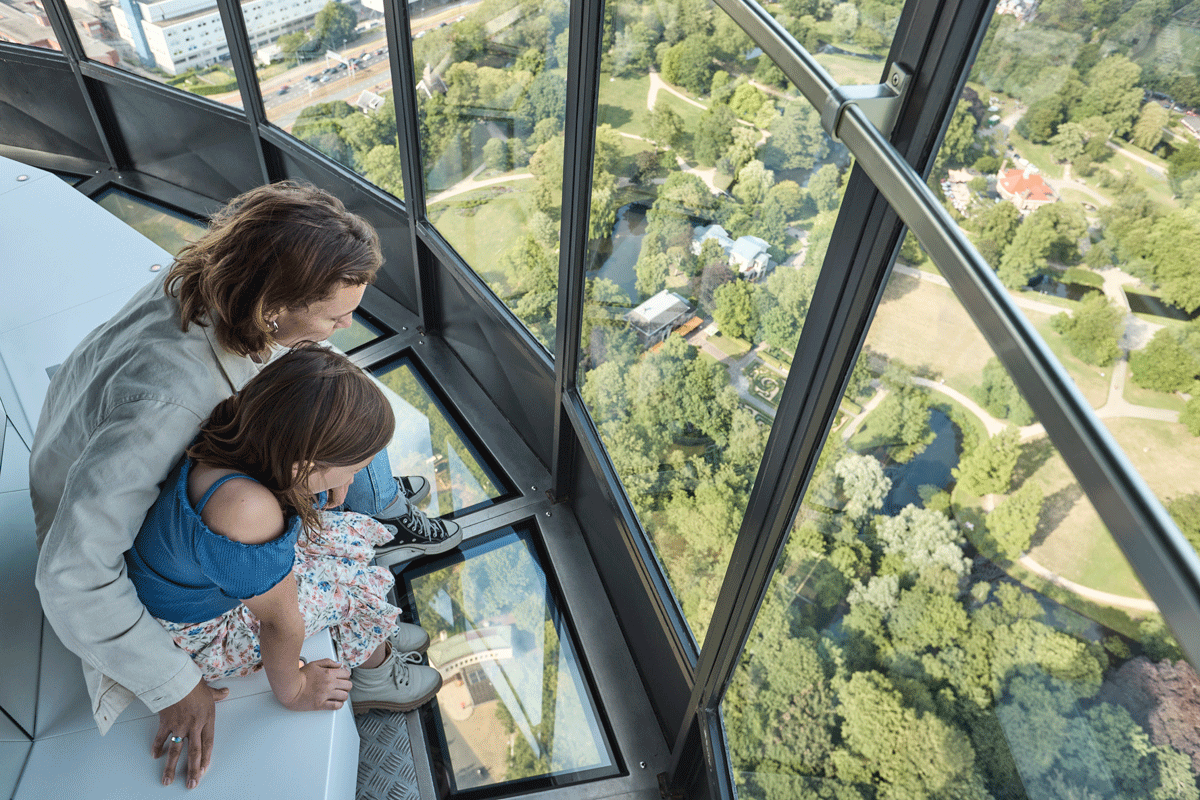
<point>713,135</point>
<point>1148,130</point>
<point>921,540</point>
<point>1190,416</point>
<point>1069,142</point>
<point>545,99</point>
<point>988,468</point>
<point>863,484</point>
<point>1173,244</point>
<point>996,227</point>
<point>334,24</point>
<point>753,183</point>
<point>1164,364</point>
<point>652,270</point>
<point>844,22</point>
<point>1113,92</point>
<point>825,187</point>
<point>1000,397</point>
<point>747,100</point>
<point>1014,522</point>
<point>960,136</point>
<point>381,166</point>
<point>1093,332</point>
<point>547,168</point>
<point>797,139</point>
<point>903,416</point>
<point>495,154</point>
<point>1040,121</point>
<point>1183,164</point>
<point>689,64</point>
<point>666,126</point>
<point>736,312</point>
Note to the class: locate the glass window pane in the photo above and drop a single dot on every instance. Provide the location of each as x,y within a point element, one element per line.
<point>177,42</point>
<point>514,705</point>
<point>330,86</point>
<point>169,229</point>
<point>492,99</point>
<point>428,442</point>
<point>950,617</point>
<point>716,192</point>
<point>363,330</point>
<point>27,23</point>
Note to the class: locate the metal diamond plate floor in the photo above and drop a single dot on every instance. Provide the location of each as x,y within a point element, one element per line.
<point>385,762</point>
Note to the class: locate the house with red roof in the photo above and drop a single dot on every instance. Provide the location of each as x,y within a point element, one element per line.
<point>1025,189</point>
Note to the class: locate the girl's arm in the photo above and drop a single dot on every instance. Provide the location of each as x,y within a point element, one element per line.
<point>247,512</point>
<point>320,685</point>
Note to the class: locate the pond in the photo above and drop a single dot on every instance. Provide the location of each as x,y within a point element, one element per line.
<point>930,467</point>
<point>1044,284</point>
<point>617,256</point>
<point>1149,304</point>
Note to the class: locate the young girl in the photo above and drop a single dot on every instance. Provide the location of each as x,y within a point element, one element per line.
<point>237,563</point>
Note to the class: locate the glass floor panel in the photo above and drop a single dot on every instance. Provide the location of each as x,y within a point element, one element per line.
<point>169,229</point>
<point>430,443</point>
<point>514,705</point>
<point>362,331</point>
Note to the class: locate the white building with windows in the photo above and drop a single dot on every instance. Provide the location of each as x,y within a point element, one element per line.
<point>176,35</point>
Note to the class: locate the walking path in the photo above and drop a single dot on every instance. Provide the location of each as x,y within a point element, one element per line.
<point>1095,595</point>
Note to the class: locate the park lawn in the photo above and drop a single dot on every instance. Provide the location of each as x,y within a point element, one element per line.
<point>1164,453</point>
<point>851,70</point>
<point>1076,196</point>
<point>1074,541</point>
<point>1092,382</point>
<point>1036,154</point>
<point>1148,397</point>
<point>622,104</point>
<point>482,237</point>
<point>1156,186</point>
<point>730,345</point>
<point>924,326</point>
<point>706,356</point>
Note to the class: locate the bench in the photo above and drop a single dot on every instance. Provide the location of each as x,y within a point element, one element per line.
<point>73,265</point>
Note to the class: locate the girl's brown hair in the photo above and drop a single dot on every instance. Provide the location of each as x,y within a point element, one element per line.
<point>310,407</point>
<point>280,246</point>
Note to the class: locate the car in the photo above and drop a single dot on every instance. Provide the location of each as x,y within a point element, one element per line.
<point>341,66</point>
<point>326,78</point>
<point>283,89</point>
<point>380,51</point>
<point>328,71</point>
<point>312,78</point>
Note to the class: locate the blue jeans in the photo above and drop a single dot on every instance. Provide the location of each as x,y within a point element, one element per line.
<point>373,488</point>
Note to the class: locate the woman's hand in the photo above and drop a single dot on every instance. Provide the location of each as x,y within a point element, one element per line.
<point>324,686</point>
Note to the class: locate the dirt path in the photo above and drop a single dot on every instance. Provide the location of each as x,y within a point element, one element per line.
<point>1095,595</point>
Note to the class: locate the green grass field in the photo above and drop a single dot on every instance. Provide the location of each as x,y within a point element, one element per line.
<point>622,104</point>
<point>1148,397</point>
<point>482,234</point>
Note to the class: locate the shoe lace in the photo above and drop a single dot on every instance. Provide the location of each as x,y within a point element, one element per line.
<point>421,525</point>
<point>400,662</point>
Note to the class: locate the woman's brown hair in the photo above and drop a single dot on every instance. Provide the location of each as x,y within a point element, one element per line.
<point>280,246</point>
<point>310,407</point>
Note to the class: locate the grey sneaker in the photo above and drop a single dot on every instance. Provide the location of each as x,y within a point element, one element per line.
<point>415,534</point>
<point>409,639</point>
<point>414,488</point>
<point>400,683</point>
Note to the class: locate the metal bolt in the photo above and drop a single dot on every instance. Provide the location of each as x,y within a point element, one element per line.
<point>547,513</point>
<point>22,178</point>
<point>155,267</point>
<point>895,80</point>
<point>404,328</point>
<point>533,488</point>
<point>642,764</point>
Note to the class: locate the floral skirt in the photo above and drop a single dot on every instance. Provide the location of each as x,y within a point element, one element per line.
<point>337,588</point>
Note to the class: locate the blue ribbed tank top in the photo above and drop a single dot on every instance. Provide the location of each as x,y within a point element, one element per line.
<point>187,573</point>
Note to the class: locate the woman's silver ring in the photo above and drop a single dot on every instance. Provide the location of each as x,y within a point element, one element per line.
<point>176,739</point>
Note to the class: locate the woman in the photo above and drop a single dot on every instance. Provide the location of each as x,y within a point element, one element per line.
<point>280,264</point>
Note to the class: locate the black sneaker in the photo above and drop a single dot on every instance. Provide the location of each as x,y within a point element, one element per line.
<point>414,534</point>
<point>414,488</point>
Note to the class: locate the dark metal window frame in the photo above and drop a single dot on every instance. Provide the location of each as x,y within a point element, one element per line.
<point>936,40</point>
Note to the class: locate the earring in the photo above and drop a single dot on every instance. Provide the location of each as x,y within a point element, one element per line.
<point>272,326</point>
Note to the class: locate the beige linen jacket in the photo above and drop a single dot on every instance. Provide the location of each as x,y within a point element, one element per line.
<point>118,414</point>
